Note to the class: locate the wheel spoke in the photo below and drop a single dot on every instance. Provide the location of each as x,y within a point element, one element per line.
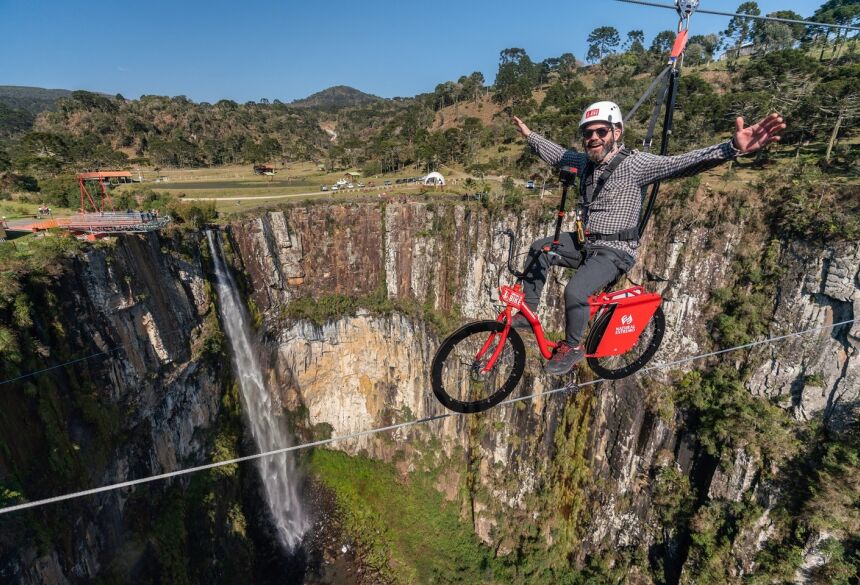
<point>458,376</point>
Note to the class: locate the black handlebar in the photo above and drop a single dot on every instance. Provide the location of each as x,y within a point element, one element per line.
<point>567,175</point>
<point>511,246</point>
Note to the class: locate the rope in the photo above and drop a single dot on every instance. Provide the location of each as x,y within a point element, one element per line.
<point>773,18</point>
<point>647,93</point>
<point>566,388</point>
<point>80,359</point>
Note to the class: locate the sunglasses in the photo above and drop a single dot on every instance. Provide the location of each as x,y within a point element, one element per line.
<point>601,133</point>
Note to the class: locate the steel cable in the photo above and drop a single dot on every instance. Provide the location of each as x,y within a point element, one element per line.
<point>566,388</point>
<point>753,16</point>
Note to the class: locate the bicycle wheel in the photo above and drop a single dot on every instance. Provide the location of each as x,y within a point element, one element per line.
<point>456,374</point>
<point>622,365</point>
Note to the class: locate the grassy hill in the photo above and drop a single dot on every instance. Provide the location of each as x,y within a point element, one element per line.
<point>462,125</point>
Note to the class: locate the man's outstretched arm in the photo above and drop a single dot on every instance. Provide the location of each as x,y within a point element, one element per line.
<point>651,167</point>
<point>551,153</point>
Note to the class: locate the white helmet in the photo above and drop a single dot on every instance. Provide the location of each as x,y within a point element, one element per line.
<point>602,112</point>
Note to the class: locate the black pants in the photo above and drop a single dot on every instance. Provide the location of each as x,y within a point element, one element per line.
<point>596,266</point>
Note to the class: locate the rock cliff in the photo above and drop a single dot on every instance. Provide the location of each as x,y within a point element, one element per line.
<point>366,370</point>
<point>351,301</point>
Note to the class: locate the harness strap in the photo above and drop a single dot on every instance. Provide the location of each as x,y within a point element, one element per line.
<point>661,78</point>
<point>588,198</point>
<point>628,235</point>
<point>652,123</point>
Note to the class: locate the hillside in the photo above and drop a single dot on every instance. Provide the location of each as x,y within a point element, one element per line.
<point>339,96</point>
<point>462,124</point>
<point>31,99</point>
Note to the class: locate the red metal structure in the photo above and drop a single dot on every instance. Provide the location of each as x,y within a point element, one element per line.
<point>103,219</point>
<point>102,178</point>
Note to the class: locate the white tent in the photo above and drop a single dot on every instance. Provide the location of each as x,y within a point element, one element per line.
<point>434,178</point>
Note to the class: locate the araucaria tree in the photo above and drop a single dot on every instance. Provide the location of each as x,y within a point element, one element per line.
<point>601,42</point>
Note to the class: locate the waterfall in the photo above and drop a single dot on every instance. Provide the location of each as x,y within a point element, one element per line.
<point>278,472</point>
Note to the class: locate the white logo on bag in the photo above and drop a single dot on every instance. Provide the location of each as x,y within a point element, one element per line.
<point>627,325</point>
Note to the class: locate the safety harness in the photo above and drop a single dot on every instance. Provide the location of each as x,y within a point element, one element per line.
<point>588,196</point>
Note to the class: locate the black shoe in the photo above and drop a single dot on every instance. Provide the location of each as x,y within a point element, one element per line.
<point>565,357</point>
<point>520,322</point>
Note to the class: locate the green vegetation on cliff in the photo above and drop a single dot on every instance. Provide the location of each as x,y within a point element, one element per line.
<point>408,532</point>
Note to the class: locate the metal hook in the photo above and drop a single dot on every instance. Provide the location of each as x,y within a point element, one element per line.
<point>686,7</point>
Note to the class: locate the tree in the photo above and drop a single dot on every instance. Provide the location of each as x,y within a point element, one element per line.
<point>770,35</point>
<point>566,66</point>
<point>470,87</point>
<point>797,30</point>
<point>710,43</point>
<point>548,69</point>
<point>472,129</point>
<point>60,191</point>
<point>740,29</point>
<point>43,152</point>
<point>93,101</point>
<point>635,42</point>
<point>477,82</point>
<point>14,120</point>
<point>516,77</point>
<point>844,12</point>
<point>840,100</point>
<point>601,42</point>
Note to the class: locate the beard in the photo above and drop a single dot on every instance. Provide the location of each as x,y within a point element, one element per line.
<point>597,155</point>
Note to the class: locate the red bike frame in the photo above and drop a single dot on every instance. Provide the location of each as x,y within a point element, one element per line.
<point>632,309</point>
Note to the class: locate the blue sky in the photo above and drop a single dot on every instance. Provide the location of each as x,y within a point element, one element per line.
<point>287,50</point>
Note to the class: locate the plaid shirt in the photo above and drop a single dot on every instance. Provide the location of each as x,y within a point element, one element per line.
<point>619,203</point>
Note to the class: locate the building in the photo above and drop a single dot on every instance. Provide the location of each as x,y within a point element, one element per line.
<point>745,50</point>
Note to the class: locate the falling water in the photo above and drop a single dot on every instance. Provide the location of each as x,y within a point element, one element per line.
<point>278,471</point>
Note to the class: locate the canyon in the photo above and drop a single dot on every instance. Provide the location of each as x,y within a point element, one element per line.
<point>347,303</point>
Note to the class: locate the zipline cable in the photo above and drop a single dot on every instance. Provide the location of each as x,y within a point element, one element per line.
<point>566,388</point>
<point>84,358</point>
<point>752,16</point>
<point>48,369</point>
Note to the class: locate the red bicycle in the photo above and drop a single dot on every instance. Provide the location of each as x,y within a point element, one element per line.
<point>480,364</point>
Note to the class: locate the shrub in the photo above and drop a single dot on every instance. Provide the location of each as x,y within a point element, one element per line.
<point>25,183</point>
<point>60,191</point>
<point>805,203</point>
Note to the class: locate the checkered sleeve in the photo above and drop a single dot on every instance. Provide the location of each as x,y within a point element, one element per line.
<point>554,154</point>
<point>649,168</point>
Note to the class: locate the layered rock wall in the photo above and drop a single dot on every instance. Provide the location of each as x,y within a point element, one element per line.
<point>354,373</point>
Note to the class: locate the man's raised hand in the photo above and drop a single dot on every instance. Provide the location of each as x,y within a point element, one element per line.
<point>521,127</point>
<point>758,135</point>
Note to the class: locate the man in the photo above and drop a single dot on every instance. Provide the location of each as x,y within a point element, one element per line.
<point>611,200</point>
